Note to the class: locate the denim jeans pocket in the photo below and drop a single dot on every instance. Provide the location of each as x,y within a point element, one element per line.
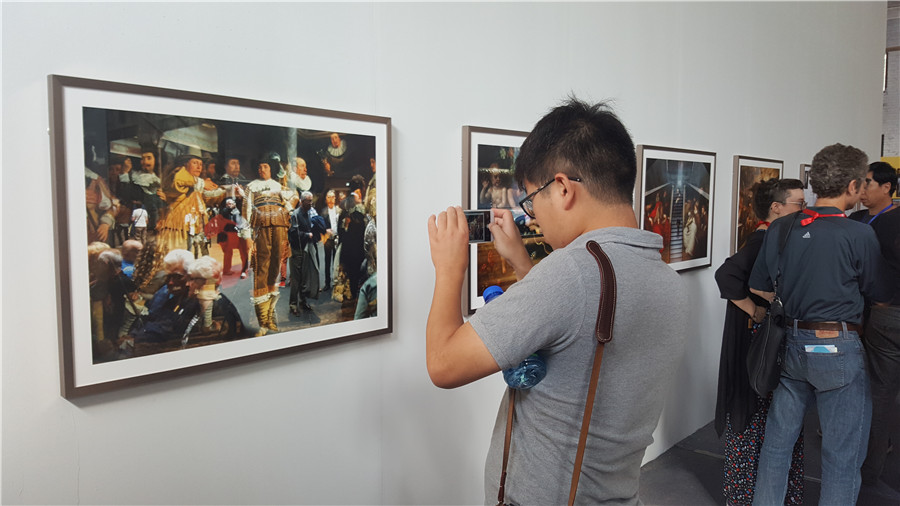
<point>829,371</point>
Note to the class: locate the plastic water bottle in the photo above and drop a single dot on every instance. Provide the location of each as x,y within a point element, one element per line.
<point>532,370</point>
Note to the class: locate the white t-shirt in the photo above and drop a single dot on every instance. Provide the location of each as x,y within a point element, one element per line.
<point>139,217</point>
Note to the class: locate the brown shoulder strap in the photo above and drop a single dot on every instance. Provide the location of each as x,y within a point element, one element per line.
<point>501,494</point>
<point>603,331</point>
<point>605,316</point>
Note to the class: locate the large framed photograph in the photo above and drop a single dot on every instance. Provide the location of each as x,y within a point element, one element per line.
<point>197,231</point>
<point>489,163</point>
<point>674,198</point>
<point>747,172</point>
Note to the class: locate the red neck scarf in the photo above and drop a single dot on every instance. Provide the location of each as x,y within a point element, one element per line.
<point>813,216</point>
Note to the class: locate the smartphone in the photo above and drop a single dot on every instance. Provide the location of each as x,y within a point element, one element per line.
<point>478,221</point>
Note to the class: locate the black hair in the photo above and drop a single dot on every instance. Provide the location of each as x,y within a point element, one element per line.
<point>357,182</point>
<point>584,141</point>
<point>763,196</point>
<point>784,188</point>
<point>834,167</point>
<point>883,173</point>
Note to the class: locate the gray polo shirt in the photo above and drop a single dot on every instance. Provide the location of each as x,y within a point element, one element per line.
<point>553,311</point>
<point>826,269</point>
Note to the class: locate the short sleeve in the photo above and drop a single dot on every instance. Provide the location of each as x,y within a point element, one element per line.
<point>544,310</point>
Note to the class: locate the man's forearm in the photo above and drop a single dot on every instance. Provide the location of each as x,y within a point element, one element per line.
<point>769,296</point>
<point>445,317</point>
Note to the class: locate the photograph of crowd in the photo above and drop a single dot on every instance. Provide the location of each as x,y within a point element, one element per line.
<point>748,172</point>
<point>491,185</point>
<point>675,203</point>
<point>203,231</point>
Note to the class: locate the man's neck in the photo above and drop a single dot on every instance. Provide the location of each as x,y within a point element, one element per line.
<point>838,202</point>
<point>877,207</point>
<point>621,215</point>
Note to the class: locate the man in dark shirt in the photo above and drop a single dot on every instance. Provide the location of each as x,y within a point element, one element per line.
<point>300,235</point>
<point>881,337</point>
<point>827,266</point>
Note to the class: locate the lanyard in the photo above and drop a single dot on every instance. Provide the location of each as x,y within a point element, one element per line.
<point>813,216</point>
<point>766,223</point>
<point>879,213</point>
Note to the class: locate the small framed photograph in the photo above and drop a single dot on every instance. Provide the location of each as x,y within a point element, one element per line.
<point>174,213</point>
<point>489,163</point>
<point>747,172</point>
<point>674,197</point>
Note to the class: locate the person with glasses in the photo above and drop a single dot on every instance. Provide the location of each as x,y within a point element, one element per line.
<point>881,335</point>
<point>828,264</point>
<point>740,413</point>
<point>578,169</point>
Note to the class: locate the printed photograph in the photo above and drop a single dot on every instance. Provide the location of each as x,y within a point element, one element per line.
<point>675,201</point>
<point>202,231</point>
<point>748,174</point>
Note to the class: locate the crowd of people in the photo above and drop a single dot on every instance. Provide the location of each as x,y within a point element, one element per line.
<point>837,277</point>
<point>154,284</point>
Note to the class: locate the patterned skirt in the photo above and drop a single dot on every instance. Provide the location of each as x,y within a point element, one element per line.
<point>742,457</point>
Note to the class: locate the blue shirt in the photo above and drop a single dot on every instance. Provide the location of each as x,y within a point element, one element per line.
<point>826,269</point>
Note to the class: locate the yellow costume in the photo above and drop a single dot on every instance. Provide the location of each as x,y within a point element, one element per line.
<point>267,208</point>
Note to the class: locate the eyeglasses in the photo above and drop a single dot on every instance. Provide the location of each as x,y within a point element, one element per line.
<point>526,203</point>
<point>801,203</point>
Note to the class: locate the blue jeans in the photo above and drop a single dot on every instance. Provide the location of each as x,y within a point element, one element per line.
<point>840,384</point>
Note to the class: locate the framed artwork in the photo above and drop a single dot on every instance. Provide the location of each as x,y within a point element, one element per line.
<point>175,249</point>
<point>489,162</point>
<point>674,198</point>
<point>747,172</point>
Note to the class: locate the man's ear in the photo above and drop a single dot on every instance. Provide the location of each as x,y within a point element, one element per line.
<point>567,190</point>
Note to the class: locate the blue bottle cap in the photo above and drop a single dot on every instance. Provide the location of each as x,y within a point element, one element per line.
<point>491,293</point>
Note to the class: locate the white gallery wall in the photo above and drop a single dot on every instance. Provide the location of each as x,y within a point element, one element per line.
<point>360,423</point>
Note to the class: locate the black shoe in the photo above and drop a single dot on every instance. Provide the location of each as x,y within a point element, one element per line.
<point>305,305</point>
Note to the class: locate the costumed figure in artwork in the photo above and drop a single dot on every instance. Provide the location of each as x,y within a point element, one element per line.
<point>187,196</point>
<point>367,302</point>
<point>690,230</point>
<point>330,214</point>
<point>267,208</point>
<point>99,201</point>
<point>351,231</point>
<point>334,155</point>
<point>232,232</point>
<point>150,185</point>
<point>219,318</point>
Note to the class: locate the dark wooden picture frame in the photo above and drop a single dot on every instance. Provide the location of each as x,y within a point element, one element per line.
<point>667,180</point>
<point>748,171</point>
<point>97,128</point>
